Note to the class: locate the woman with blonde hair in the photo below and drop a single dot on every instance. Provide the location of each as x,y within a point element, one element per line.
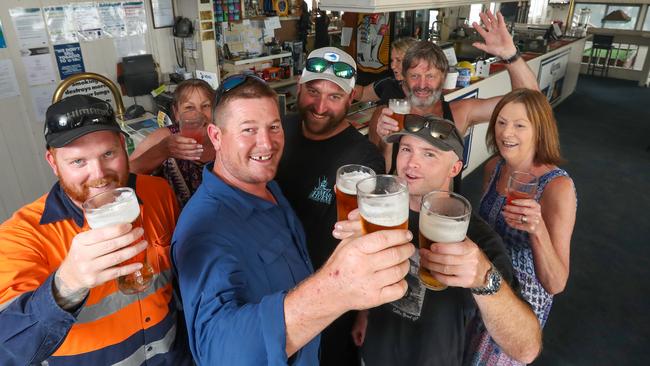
<point>536,231</point>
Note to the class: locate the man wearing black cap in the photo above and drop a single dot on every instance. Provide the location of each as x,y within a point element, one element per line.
<point>318,141</point>
<point>59,303</point>
<point>432,327</point>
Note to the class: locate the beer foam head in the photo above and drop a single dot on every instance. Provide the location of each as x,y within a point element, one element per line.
<point>388,211</point>
<point>347,182</point>
<point>442,229</point>
<point>125,209</point>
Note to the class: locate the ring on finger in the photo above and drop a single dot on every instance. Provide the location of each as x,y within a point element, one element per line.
<point>524,219</point>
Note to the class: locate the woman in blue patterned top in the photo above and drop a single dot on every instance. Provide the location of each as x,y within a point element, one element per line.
<point>166,153</point>
<point>537,232</point>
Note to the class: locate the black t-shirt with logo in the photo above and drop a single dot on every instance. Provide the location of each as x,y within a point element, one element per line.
<point>431,327</point>
<point>307,176</point>
<point>388,88</point>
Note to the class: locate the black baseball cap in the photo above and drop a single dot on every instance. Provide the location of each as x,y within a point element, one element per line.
<point>439,132</point>
<point>76,116</point>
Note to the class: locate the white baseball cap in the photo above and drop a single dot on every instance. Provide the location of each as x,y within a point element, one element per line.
<point>333,55</point>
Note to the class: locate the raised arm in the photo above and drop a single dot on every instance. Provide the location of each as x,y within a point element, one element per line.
<point>365,93</point>
<point>158,147</point>
<point>550,226</point>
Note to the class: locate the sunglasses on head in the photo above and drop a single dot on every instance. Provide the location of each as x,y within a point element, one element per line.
<point>232,82</point>
<point>437,128</point>
<point>96,114</point>
<point>340,69</point>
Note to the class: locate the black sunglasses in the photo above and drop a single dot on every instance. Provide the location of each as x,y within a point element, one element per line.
<point>437,128</point>
<point>232,82</point>
<point>340,69</point>
<point>96,114</point>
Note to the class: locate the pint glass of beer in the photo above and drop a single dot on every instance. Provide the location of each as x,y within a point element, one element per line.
<point>383,203</point>
<point>400,107</point>
<point>521,185</point>
<point>347,177</point>
<point>192,124</point>
<point>117,206</point>
<point>444,218</point>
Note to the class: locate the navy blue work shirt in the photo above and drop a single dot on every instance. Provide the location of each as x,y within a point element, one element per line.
<point>236,255</point>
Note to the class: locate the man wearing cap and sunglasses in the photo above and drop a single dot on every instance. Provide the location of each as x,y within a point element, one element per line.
<point>433,327</point>
<point>59,303</point>
<point>239,250</point>
<point>425,68</point>
<point>318,141</point>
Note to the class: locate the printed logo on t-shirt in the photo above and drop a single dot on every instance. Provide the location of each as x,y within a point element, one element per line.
<point>321,192</point>
<point>410,306</point>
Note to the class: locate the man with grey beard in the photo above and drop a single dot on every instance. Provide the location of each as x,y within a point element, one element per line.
<point>425,68</point>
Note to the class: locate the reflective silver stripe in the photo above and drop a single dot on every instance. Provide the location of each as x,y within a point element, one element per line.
<point>147,351</point>
<point>114,302</point>
<point>6,304</point>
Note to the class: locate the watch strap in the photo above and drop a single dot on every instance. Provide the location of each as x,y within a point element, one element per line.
<point>493,283</point>
<point>512,58</point>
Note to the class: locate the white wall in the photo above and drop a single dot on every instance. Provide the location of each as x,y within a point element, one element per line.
<point>24,174</point>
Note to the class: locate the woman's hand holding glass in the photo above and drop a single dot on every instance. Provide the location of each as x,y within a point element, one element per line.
<point>184,148</point>
<point>525,215</point>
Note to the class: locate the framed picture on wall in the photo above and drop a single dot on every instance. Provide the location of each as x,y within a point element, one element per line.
<point>163,13</point>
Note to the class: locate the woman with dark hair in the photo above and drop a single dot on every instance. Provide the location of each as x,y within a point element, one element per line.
<point>537,231</point>
<point>174,157</point>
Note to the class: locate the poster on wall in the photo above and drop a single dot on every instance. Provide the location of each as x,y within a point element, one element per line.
<point>29,27</point>
<point>551,75</point>
<point>90,87</point>
<point>8,82</point>
<point>373,40</point>
<point>3,43</point>
<point>41,100</point>
<point>87,21</point>
<point>38,66</point>
<point>112,18</point>
<point>69,59</point>
<point>135,17</point>
<point>60,24</point>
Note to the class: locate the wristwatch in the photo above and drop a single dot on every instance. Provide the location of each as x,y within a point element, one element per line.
<point>493,283</point>
<point>512,58</point>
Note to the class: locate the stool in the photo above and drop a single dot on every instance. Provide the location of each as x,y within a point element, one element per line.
<point>600,43</point>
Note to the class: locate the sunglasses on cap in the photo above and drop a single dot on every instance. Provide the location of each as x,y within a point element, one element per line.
<point>340,69</point>
<point>232,82</point>
<point>96,114</point>
<point>438,129</point>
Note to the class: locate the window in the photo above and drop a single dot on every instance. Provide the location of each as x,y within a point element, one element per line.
<point>646,24</point>
<point>599,11</point>
<point>474,11</point>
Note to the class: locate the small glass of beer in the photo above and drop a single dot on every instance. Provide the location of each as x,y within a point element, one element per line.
<point>347,177</point>
<point>400,107</point>
<point>117,206</point>
<point>521,185</point>
<point>444,218</point>
<point>192,124</point>
<point>383,203</point>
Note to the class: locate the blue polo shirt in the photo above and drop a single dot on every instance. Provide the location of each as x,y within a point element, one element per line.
<point>236,256</point>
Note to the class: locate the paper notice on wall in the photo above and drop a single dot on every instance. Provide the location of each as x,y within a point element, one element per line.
<point>135,17</point>
<point>38,66</point>
<point>271,23</point>
<point>29,26</point>
<point>130,46</point>
<point>69,59</point>
<point>60,24</point>
<point>90,87</point>
<point>346,36</point>
<point>8,82</point>
<point>87,21</point>
<point>41,100</point>
<point>112,17</point>
<point>209,77</point>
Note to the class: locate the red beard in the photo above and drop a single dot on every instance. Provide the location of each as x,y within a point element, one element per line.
<point>81,194</point>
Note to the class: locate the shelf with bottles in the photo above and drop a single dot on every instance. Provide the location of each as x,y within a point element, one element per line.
<point>253,60</point>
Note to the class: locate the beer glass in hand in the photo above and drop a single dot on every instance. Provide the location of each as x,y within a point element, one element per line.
<point>383,203</point>
<point>347,177</point>
<point>521,185</point>
<point>400,108</point>
<point>118,206</point>
<point>444,218</point>
<point>192,124</point>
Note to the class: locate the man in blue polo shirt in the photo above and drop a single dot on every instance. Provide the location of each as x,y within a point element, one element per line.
<point>239,250</point>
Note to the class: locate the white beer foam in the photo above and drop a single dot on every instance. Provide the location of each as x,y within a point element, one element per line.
<point>347,182</point>
<point>386,211</point>
<point>125,209</point>
<point>442,229</point>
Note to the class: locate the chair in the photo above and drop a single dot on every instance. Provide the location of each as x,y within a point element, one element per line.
<point>600,44</point>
